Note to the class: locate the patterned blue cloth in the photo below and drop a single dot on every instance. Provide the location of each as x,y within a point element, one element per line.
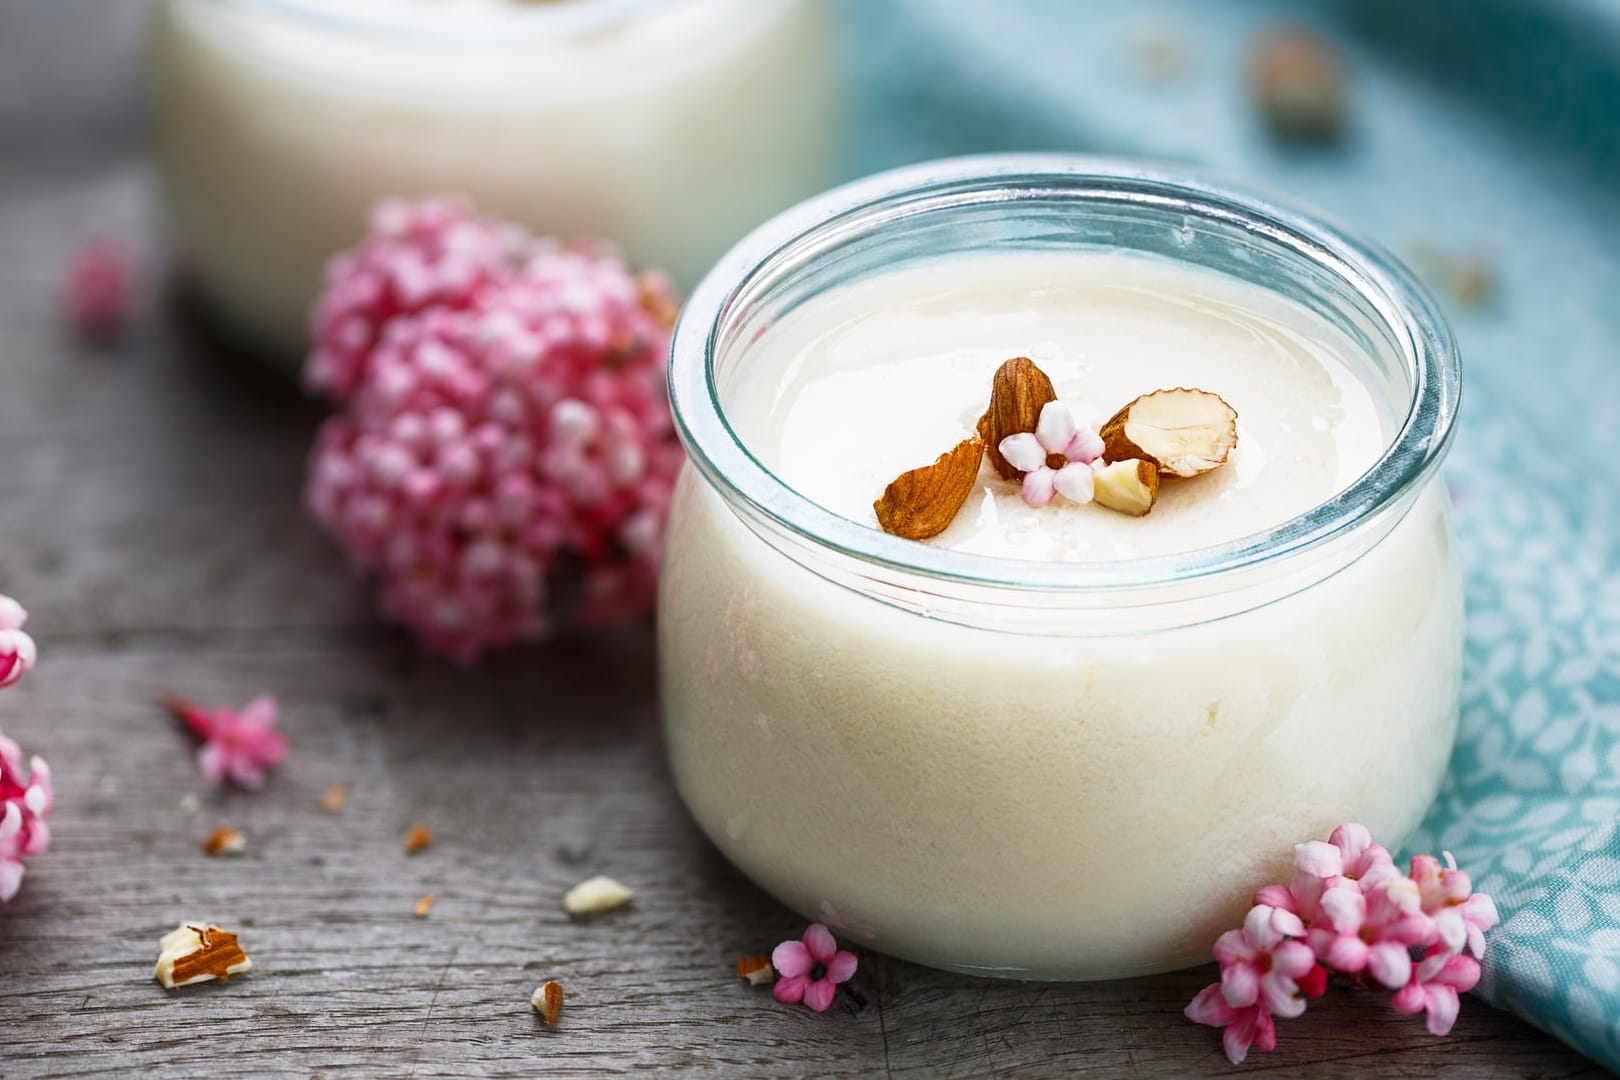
<point>1484,126</point>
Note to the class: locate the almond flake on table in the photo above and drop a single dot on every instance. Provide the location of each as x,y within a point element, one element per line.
<point>596,895</point>
<point>198,952</point>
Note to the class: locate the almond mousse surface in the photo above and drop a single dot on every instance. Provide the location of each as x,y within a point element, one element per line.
<point>866,383</point>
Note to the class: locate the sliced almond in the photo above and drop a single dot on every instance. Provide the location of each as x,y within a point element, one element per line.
<point>424,905</point>
<point>757,970</point>
<point>547,1001</point>
<point>224,841</point>
<point>923,502</point>
<point>333,798</point>
<point>198,952</point>
<point>1127,486</point>
<point>596,895</point>
<point>1182,432</point>
<point>1017,394</point>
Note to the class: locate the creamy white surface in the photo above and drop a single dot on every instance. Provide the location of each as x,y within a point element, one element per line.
<point>1034,804</point>
<point>900,371</point>
<point>671,133</point>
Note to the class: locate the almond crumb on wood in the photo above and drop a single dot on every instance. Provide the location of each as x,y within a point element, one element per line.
<point>224,840</point>
<point>417,838</point>
<point>1018,392</point>
<point>1181,432</point>
<point>423,906</point>
<point>596,895</point>
<point>757,970</point>
<point>334,798</point>
<point>547,1001</point>
<point>1298,84</point>
<point>923,502</point>
<point>1130,487</point>
<point>198,952</point>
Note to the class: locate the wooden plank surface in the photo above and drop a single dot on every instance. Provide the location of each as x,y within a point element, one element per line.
<point>149,517</point>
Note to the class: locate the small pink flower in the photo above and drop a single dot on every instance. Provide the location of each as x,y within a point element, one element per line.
<point>811,968</point>
<point>238,744</point>
<point>1373,931</point>
<point>17,653</point>
<point>1261,962</point>
<point>1055,458</point>
<point>24,802</point>
<point>95,288</point>
<point>1461,916</point>
<point>1434,986</point>
<point>1241,1027</point>
<point>1349,853</point>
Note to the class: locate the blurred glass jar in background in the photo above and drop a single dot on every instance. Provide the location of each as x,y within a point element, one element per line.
<point>669,126</point>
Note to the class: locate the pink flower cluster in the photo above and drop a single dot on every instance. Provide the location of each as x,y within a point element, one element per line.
<point>503,418</point>
<point>1350,910</point>
<point>25,798</point>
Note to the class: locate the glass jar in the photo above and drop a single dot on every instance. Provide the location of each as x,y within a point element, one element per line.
<point>669,126</point>
<point>1053,770</point>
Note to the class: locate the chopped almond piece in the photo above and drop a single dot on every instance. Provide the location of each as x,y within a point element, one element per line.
<point>1131,487</point>
<point>596,895</point>
<point>417,838</point>
<point>1182,432</point>
<point>224,841</point>
<point>547,1001</point>
<point>1298,84</point>
<point>334,798</point>
<point>923,502</point>
<point>194,952</point>
<point>423,905</point>
<point>757,970</point>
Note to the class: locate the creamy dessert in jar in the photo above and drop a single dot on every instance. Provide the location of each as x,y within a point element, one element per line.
<point>670,127</point>
<point>1054,741</point>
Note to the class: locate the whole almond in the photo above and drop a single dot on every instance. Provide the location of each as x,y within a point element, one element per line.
<point>1017,394</point>
<point>923,502</point>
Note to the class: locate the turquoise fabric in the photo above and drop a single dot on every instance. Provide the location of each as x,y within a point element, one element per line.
<point>1476,125</point>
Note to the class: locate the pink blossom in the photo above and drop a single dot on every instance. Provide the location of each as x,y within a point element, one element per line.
<point>1241,1028</point>
<point>811,968</point>
<point>1460,915</point>
<point>1055,458</point>
<point>25,799</point>
<point>238,744</point>
<point>1373,931</point>
<point>1261,962</point>
<point>17,652</point>
<point>503,417</point>
<point>95,291</point>
<point>1434,986</point>
<point>1349,853</point>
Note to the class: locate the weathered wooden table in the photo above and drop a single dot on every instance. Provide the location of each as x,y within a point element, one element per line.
<point>150,518</point>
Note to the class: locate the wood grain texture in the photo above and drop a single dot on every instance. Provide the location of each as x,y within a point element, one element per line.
<point>149,517</point>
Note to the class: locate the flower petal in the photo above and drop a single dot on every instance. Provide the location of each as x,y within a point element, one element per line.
<point>1209,1007</point>
<point>1240,985</point>
<point>1232,947</point>
<point>1023,451</point>
<point>821,943</point>
<point>1442,1006</point>
<point>1075,482</point>
<point>792,959</point>
<point>819,995</point>
<point>1389,963</point>
<point>841,966</point>
<point>1280,996</point>
<point>1056,427</point>
<point>1345,907</point>
<point>258,714</point>
<point>1292,959</point>
<point>790,991</point>
<point>1086,446</point>
<point>1318,859</point>
<point>11,875</point>
<point>1039,486</point>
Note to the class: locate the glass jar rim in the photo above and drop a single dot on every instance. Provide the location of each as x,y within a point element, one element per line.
<point>539,22</point>
<point>1408,311</point>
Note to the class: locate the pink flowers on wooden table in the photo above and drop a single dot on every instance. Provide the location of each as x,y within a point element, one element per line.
<point>25,797</point>
<point>239,745</point>
<point>1348,909</point>
<point>1055,458</point>
<point>502,418</point>
<point>811,969</point>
